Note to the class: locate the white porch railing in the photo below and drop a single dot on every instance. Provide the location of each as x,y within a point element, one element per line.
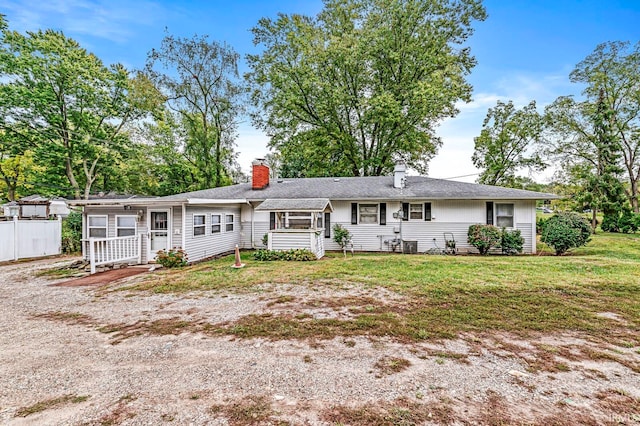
<point>110,250</point>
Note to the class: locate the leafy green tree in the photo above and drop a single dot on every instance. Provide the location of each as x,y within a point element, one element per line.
<point>507,142</point>
<point>362,84</point>
<point>614,69</point>
<point>164,169</point>
<point>604,185</point>
<point>58,95</point>
<point>201,83</point>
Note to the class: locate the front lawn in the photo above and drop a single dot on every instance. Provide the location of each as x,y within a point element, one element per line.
<point>594,290</point>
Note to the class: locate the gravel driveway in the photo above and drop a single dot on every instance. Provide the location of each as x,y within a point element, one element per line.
<point>59,365</point>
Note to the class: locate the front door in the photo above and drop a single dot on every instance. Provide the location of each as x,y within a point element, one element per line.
<point>159,232</point>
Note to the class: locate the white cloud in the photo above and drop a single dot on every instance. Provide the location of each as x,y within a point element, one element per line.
<point>115,21</point>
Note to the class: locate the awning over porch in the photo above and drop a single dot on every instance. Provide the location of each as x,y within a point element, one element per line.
<point>296,205</point>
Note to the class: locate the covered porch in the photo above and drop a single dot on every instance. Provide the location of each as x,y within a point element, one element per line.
<point>296,223</point>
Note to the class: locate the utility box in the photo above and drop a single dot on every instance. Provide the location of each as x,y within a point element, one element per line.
<point>409,247</point>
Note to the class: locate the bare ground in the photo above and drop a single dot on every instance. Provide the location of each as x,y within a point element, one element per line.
<point>90,356</point>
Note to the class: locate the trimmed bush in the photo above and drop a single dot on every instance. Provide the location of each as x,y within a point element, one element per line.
<point>540,225</point>
<point>484,237</point>
<point>512,241</point>
<point>298,255</point>
<point>174,258</point>
<point>565,231</point>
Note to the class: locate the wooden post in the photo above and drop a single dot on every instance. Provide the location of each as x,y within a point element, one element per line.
<point>139,249</point>
<point>92,256</point>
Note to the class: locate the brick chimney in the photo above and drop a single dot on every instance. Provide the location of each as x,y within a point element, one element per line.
<point>260,174</point>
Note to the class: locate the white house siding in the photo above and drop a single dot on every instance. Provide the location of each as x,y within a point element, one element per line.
<point>111,213</point>
<point>454,216</point>
<point>290,240</point>
<point>203,246</point>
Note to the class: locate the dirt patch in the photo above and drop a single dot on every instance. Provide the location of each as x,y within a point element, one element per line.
<point>228,358</point>
<point>102,278</point>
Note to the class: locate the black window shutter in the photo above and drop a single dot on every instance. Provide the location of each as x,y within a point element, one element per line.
<point>427,211</point>
<point>405,211</point>
<point>272,220</point>
<point>383,213</point>
<point>327,225</point>
<point>354,213</point>
<point>489,212</point>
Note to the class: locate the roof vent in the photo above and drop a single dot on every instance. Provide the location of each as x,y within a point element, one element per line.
<point>336,180</point>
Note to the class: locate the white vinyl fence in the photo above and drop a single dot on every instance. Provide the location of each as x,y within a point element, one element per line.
<point>21,239</point>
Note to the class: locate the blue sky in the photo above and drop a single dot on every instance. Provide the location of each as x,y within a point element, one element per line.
<point>525,49</point>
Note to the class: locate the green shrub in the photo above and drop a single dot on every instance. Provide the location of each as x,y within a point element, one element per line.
<point>540,222</point>
<point>512,241</point>
<point>341,235</point>
<point>628,222</point>
<point>299,255</point>
<point>610,223</point>
<point>72,233</point>
<point>565,231</point>
<point>484,237</point>
<point>265,239</point>
<point>174,258</point>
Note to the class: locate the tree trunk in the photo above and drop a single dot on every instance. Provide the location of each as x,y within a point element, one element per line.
<point>634,196</point>
<point>72,178</point>
<point>594,220</point>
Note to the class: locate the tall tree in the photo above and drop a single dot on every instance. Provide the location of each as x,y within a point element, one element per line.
<point>362,84</point>
<point>507,144</point>
<point>604,185</point>
<point>60,95</point>
<point>613,68</point>
<point>201,82</point>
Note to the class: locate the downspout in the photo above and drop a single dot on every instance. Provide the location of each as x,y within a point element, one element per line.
<point>252,226</point>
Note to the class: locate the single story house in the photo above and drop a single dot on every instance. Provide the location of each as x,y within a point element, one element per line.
<point>380,212</point>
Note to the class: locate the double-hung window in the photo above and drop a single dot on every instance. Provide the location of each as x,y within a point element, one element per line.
<point>228,222</point>
<point>415,211</point>
<point>504,215</point>
<point>215,224</point>
<point>198,225</point>
<point>97,227</point>
<point>368,213</point>
<point>125,226</point>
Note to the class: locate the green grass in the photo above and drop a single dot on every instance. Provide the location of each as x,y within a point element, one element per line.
<point>49,404</point>
<point>445,295</point>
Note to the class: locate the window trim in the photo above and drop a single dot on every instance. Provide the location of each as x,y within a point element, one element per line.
<point>376,215</point>
<point>135,224</point>
<point>218,224</point>
<point>421,205</point>
<point>105,227</point>
<point>203,225</point>
<point>513,214</point>
<point>227,223</point>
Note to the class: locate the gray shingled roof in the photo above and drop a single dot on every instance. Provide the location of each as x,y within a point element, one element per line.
<point>295,205</point>
<point>361,188</point>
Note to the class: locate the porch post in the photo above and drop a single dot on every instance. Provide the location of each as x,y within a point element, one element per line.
<point>92,255</point>
<point>139,249</point>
